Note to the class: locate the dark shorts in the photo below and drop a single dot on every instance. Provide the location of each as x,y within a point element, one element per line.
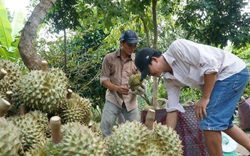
<point>223,101</point>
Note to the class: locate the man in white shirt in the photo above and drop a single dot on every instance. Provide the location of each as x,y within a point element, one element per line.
<point>220,75</point>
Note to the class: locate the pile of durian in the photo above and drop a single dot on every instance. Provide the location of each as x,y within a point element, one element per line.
<point>41,116</point>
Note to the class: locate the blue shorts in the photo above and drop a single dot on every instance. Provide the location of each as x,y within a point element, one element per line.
<point>223,101</point>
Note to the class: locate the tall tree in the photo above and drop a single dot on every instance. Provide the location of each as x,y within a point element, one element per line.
<point>155,79</point>
<point>64,16</point>
<point>26,47</point>
<point>216,22</point>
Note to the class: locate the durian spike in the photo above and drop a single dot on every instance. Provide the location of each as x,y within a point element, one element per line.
<point>8,95</point>
<point>69,94</point>
<point>242,98</point>
<point>44,65</point>
<point>22,109</point>
<point>4,106</point>
<point>150,118</point>
<point>55,125</point>
<point>2,73</point>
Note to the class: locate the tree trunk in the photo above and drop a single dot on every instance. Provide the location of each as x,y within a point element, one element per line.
<point>65,50</point>
<point>28,36</point>
<point>155,79</point>
<point>155,24</point>
<point>145,30</point>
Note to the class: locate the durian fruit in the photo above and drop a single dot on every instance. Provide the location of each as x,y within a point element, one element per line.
<point>32,126</point>
<point>134,81</point>
<point>129,138</point>
<point>1,96</point>
<point>76,109</point>
<point>95,127</point>
<point>134,138</point>
<point>43,90</point>
<point>38,150</point>
<point>10,143</point>
<point>16,98</point>
<point>13,74</point>
<point>14,109</point>
<point>78,140</point>
<point>165,141</point>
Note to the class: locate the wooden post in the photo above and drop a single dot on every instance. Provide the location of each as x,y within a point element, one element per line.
<point>150,118</point>
<point>22,109</point>
<point>55,125</point>
<point>4,106</point>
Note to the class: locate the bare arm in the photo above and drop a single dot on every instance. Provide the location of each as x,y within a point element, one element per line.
<point>209,81</point>
<point>200,106</point>
<point>171,119</point>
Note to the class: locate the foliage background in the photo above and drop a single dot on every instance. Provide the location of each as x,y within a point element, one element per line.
<point>77,34</point>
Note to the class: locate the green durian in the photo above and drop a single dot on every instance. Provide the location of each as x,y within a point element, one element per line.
<point>134,81</point>
<point>76,109</point>
<point>78,140</point>
<point>134,138</point>
<point>95,127</point>
<point>165,141</point>
<point>32,126</point>
<point>42,90</point>
<point>129,138</point>
<point>10,143</point>
<point>13,74</point>
<point>38,150</point>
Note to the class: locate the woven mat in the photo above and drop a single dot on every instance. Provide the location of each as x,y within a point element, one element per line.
<point>187,128</point>
<point>190,133</point>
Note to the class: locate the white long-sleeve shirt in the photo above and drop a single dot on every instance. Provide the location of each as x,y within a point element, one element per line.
<point>190,61</point>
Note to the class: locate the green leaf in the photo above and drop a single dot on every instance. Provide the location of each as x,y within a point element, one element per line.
<point>17,23</point>
<point>5,27</point>
<point>3,52</point>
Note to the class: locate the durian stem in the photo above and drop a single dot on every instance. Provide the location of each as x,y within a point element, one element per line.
<point>9,95</point>
<point>2,73</point>
<point>55,125</point>
<point>4,106</point>
<point>144,96</point>
<point>150,118</point>
<point>69,94</point>
<point>22,109</point>
<point>44,65</point>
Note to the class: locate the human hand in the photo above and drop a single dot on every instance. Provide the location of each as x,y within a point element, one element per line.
<point>200,108</point>
<point>122,90</point>
<point>140,90</point>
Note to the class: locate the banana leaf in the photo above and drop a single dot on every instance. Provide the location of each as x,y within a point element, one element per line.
<point>5,27</point>
<point>10,33</point>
